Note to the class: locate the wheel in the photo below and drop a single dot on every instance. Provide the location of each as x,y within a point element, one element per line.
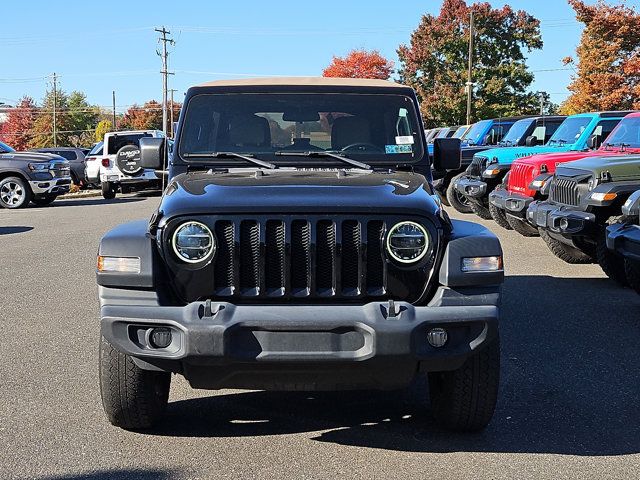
<point>611,263</point>
<point>465,399</point>
<point>565,252</point>
<point>480,210</point>
<point>44,200</point>
<point>132,398</point>
<point>108,190</point>
<point>499,216</point>
<point>522,227</point>
<point>14,193</point>
<point>456,199</point>
<point>633,275</point>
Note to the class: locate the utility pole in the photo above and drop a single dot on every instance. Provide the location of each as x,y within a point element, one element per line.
<point>55,102</point>
<point>171,115</point>
<point>541,97</point>
<point>165,72</point>
<point>469,76</point>
<point>114,111</point>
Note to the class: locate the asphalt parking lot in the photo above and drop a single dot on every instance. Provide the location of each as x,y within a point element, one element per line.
<point>569,404</point>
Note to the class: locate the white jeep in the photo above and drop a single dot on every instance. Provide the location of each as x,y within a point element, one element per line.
<point>120,167</point>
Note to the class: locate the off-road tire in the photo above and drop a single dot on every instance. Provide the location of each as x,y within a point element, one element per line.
<point>633,275</point>
<point>499,216</point>
<point>24,188</point>
<point>44,200</point>
<point>522,227</point>
<point>565,252</point>
<point>611,263</point>
<point>480,210</point>
<point>464,399</point>
<point>108,190</point>
<point>132,398</point>
<point>455,198</point>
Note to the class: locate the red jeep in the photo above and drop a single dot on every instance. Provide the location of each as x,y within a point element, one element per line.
<point>528,178</point>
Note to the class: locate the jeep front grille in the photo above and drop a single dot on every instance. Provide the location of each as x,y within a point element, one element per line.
<point>475,167</point>
<point>318,257</point>
<point>520,176</point>
<point>565,191</point>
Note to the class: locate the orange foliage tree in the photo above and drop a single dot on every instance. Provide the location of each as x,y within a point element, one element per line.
<point>16,131</point>
<point>608,63</point>
<point>360,64</point>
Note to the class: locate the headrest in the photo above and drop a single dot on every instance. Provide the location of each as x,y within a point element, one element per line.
<point>348,130</point>
<point>249,130</point>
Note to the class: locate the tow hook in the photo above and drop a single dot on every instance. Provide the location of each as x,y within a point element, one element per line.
<point>392,310</point>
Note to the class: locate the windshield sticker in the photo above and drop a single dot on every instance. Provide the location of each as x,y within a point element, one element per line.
<point>392,149</point>
<point>404,140</point>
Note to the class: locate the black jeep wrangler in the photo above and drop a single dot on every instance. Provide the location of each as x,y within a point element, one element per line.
<point>299,245</point>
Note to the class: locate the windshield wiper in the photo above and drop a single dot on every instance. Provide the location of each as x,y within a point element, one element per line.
<point>250,159</point>
<point>337,156</point>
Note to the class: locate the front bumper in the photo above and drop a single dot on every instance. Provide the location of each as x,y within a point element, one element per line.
<point>513,203</point>
<point>471,187</point>
<point>625,240</point>
<point>282,347</point>
<point>56,186</point>
<point>561,220</point>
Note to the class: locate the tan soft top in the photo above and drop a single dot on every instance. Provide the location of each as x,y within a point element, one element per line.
<point>303,81</point>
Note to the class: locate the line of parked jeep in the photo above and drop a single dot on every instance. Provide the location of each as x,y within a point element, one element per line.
<point>574,181</point>
<point>39,176</point>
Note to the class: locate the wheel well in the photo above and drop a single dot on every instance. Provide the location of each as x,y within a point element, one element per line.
<point>6,174</point>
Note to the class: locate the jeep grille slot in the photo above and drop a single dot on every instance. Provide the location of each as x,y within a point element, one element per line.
<point>564,191</point>
<point>520,177</point>
<point>299,258</point>
<point>475,167</point>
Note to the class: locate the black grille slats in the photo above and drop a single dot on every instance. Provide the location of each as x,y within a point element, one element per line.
<point>302,258</point>
<point>565,191</point>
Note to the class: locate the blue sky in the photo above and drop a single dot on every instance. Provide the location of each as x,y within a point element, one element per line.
<point>97,47</point>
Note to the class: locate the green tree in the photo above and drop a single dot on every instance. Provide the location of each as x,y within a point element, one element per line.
<point>42,132</point>
<point>435,62</point>
<point>83,118</point>
<point>104,126</point>
<point>608,65</point>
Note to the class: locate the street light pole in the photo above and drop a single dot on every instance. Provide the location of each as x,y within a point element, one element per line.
<point>469,75</point>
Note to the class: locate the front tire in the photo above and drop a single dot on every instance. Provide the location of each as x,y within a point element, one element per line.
<point>611,263</point>
<point>464,399</point>
<point>633,275</point>
<point>14,193</point>
<point>132,398</point>
<point>499,216</point>
<point>455,198</point>
<point>480,210</point>
<point>565,252</point>
<point>108,190</point>
<point>44,200</point>
<point>522,227</point>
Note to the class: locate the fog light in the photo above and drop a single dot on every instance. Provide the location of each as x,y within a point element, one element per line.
<point>118,264</point>
<point>564,224</point>
<point>160,337</point>
<point>437,337</point>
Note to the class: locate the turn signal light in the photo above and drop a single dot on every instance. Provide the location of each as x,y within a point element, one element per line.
<point>482,264</point>
<point>118,264</point>
<point>603,197</point>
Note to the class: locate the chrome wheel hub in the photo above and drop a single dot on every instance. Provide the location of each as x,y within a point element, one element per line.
<point>12,193</point>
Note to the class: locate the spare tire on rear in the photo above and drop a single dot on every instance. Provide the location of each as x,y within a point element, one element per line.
<point>128,160</point>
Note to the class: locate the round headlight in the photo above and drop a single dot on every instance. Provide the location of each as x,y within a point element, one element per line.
<point>407,242</point>
<point>193,242</point>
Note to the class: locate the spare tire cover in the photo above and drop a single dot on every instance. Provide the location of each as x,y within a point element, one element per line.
<point>128,160</point>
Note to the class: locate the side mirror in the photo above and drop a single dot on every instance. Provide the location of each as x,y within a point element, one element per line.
<point>447,154</point>
<point>531,141</point>
<point>631,207</point>
<point>153,153</point>
<point>594,142</point>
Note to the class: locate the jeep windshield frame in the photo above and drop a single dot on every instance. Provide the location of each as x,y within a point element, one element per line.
<point>370,127</point>
<point>570,131</point>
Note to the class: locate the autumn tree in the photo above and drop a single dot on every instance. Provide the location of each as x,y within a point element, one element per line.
<point>16,130</point>
<point>103,127</point>
<point>434,62</point>
<point>360,64</point>
<point>608,59</point>
<point>145,117</point>
<point>83,119</point>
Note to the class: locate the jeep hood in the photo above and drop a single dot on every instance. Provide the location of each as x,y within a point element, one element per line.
<point>621,167</point>
<point>507,155</point>
<point>31,157</point>
<point>298,192</point>
<point>551,159</point>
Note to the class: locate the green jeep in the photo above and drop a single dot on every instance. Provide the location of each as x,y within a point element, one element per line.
<point>586,196</point>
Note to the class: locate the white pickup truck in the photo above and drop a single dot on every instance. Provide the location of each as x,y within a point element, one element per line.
<point>119,167</point>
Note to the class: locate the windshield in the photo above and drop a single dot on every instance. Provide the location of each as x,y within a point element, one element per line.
<point>517,131</point>
<point>443,133</point>
<point>460,131</point>
<point>570,130</point>
<point>476,132</point>
<point>627,133</point>
<point>4,148</point>
<point>97,149</point>
<point>374,128</point>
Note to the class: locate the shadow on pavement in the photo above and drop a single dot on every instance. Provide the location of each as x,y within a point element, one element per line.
<point>125,474</point>
<point>93,201</point>
<point>12,230</point>
<point>569,386</point>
